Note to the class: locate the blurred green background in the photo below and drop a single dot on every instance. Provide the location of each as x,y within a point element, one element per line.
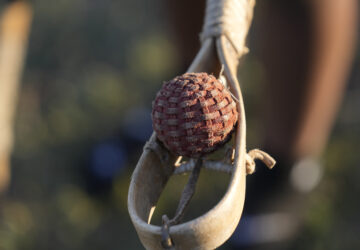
<point>92,70</point>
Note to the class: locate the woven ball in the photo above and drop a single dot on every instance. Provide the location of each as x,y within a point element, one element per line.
<point>193,114</point>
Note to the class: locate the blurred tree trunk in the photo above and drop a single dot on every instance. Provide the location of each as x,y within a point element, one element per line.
<point>14,28</point>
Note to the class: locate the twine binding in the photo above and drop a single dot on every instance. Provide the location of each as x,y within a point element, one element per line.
<point>228,17</point>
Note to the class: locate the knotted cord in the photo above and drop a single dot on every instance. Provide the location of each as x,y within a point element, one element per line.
<point>228,17</point>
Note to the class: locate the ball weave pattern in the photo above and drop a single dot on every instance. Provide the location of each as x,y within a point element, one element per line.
<point>193,114</point>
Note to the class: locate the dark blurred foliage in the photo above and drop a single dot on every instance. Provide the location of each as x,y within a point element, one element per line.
<point>92,70</point>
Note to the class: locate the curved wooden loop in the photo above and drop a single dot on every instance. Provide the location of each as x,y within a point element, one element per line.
<point>213,228</point>
<point>148,181</point>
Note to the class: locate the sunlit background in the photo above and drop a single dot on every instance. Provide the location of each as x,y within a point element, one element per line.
<point>83,116</point>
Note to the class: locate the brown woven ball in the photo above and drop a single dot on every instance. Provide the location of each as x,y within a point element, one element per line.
<point>193,114</point>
